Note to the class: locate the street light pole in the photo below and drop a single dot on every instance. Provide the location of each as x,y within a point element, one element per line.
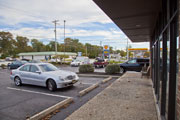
<point>64,40</point>
<point>127,50</point>
<point>55,22</point>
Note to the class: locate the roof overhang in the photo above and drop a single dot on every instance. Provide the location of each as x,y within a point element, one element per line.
<point>136,18</point>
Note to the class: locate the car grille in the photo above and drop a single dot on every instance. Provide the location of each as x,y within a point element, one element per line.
<point>70,77</point>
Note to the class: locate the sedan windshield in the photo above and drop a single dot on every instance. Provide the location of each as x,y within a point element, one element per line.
<point>48,67</point>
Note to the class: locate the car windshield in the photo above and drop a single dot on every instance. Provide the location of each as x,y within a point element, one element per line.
<point>48,67</point>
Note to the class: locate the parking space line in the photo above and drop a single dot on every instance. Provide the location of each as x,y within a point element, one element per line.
<point>54,95</point>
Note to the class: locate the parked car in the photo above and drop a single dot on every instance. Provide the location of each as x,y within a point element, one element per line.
<point>8,59</point>
<point>99,62</point>
<point>80,61</point>
<point>43,74</point>
<point>135,64</point>
<point>16,64</point>
<point>76,63</point>
<point>35,61</point>
<point>54,60</point>
<point>24,59</point>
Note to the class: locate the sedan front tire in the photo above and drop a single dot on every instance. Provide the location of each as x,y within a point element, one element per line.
<point>51,85</point>
<point>122,70</point>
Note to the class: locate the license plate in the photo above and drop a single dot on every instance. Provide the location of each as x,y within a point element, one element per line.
<point>74,81</point>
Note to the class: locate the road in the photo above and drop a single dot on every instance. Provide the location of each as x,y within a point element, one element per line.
<point>18,103</point>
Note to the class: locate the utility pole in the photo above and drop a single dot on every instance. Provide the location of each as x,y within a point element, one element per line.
<point>64,41</point>
<point>55,22</point>
<point>127,50</point>
<point>101,51</point>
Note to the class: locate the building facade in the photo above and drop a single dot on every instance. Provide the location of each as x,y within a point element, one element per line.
<point>156,22</point>
<point>44,55</point>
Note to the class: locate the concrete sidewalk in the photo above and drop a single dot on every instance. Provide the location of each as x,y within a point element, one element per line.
<point>128,98</point>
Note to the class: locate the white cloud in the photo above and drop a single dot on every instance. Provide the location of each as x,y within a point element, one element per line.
<point>75,12</point>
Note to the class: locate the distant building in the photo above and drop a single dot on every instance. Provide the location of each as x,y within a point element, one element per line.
<point>44,55</point>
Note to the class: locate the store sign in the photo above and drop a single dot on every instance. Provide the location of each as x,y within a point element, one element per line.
<point>106,47</point>
<point>106,50</point>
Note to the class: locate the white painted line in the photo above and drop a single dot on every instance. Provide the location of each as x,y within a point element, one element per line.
<point>54,95</point>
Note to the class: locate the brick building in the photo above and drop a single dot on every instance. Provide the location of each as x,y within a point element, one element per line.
<point>157,22</point>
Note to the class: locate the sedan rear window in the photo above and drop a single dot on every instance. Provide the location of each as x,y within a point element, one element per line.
<point>25,68</point>
<point>48,67</point>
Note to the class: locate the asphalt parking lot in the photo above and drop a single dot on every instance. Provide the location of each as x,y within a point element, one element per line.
<point>19,103</point>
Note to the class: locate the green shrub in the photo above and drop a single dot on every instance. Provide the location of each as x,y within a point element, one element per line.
<point>112,69</point>
<point>3,66</point>
<point>114,62</point>
<point>86,68</point>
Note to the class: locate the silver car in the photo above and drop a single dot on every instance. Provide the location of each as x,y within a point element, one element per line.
<point>43,74</point>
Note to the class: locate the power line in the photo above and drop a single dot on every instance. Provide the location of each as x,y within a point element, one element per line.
<point>22,11</point>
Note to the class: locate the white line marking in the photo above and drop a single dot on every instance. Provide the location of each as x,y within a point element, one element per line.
<point>54,95</point>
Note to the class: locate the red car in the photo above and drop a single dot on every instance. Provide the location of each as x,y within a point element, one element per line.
<point>100,63</point>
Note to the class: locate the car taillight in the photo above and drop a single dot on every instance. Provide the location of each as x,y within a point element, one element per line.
<point>11,72</point>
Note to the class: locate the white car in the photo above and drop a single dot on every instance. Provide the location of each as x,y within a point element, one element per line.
<point>76,63</point>
<point>54,60</point>
<point>43,74</point>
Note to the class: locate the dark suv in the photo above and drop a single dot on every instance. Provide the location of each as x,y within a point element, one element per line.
<point>135,64</point>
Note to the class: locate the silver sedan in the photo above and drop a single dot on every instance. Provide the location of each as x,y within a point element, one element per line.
<point>43,74</point>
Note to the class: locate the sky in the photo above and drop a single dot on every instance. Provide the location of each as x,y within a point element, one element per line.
<point>84,21</point>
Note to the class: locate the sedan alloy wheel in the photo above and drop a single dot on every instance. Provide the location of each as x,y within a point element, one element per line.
<point>17,81</point>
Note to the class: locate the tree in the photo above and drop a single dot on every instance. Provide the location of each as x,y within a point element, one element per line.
<point>22,44</point>
<point>51,46</point>
<point>37,45</point>
<point>122,53</point>
<point>6,43</point>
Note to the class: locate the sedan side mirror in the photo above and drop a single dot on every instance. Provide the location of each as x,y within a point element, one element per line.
<point>39,72</point>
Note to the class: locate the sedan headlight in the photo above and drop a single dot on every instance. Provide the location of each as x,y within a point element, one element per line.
<point>76,76</point>
<point>60,78</point>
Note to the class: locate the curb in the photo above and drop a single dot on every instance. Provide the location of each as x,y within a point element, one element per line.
<point>106,80</point>
<point>156,103</point>
<point>49,110</point>
<point>85,91</point>
<point>91,75</point>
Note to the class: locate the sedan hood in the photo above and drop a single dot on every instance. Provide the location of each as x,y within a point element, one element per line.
<point>61,73</point>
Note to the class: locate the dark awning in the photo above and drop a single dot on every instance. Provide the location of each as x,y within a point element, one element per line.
<point>136,18</point>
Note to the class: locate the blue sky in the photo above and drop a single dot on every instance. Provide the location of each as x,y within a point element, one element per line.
<point>84,21</point>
